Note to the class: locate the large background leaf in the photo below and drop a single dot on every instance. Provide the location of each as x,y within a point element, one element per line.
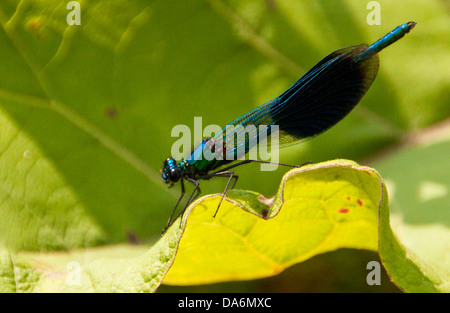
<point>86,111</point>
<point>420,198</point>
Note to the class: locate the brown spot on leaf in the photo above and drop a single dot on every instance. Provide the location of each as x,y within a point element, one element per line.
<point>132,238</point>
<point>271,5</point>
<point>359,201</point>
<point>111,112</point>
<point>35,25</point>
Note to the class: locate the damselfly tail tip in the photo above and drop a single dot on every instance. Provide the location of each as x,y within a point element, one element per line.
<point>411,25</point>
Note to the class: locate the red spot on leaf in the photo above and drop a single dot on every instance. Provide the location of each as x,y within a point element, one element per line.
<point>343,210</point>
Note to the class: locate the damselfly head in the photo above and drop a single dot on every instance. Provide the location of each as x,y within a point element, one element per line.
<point>170,172</point>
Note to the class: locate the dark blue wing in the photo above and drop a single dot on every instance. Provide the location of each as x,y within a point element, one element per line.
<point>317,101</point>
<point>327,94</point>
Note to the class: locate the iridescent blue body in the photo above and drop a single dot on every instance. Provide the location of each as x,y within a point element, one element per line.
<point>317,101</point>
<point>387,40</point>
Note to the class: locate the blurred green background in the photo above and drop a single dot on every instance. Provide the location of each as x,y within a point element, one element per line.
<point>86,114</point>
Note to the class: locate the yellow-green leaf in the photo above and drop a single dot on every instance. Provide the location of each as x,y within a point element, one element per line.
<point>318,208</point>
<point>115,268</point>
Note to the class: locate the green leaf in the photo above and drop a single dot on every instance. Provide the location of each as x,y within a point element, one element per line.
<point>419,195</point>
<point>318,208</point>
<point>116,268</point>
<point>16,274</point>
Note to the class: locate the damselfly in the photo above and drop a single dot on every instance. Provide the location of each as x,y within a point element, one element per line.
<point>317,101</point>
